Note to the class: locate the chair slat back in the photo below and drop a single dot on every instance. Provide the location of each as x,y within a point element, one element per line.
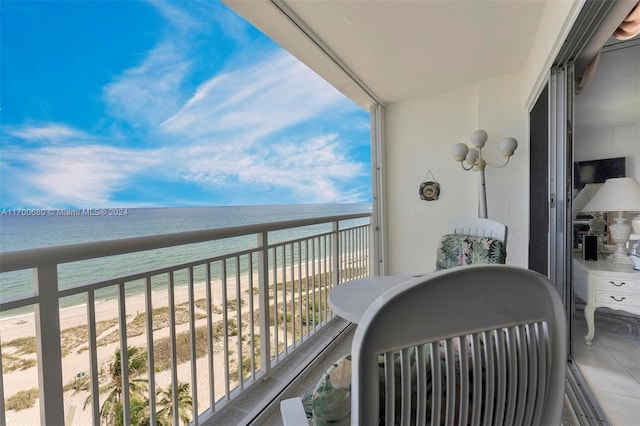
<point>479,227</point>
<point>478,345</point>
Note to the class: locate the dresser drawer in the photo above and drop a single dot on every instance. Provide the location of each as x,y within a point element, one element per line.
<point>604,284</point>
<point>618,284</point>
<point>617,298</point>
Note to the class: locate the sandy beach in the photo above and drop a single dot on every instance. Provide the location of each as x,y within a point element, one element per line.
<point>77,361</point>
<point>23,325</point>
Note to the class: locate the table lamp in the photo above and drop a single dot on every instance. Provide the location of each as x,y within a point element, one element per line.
<point>619,195</point>
<point>596,224</point>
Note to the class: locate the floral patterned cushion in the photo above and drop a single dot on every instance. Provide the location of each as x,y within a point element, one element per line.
<point>460,250</point>
<point>330,403</point>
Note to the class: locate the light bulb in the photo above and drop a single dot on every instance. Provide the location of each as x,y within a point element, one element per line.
<point>478,138</point>
<point>459,151</point>
<point>508,146</point>
<point>472,156</point>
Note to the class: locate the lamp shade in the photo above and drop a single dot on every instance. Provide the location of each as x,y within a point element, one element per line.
<point>584,196</point>
<point>616,195</point>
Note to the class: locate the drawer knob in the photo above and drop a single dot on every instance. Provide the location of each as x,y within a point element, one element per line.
<point>616,299</point>
<point>616,284</point>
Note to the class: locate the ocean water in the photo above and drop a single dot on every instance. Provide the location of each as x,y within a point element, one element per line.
<point>20,230</point>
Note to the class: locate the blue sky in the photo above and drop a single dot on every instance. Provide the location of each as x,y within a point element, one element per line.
<point>141,104</point>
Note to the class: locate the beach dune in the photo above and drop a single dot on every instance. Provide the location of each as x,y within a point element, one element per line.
<point>77,362</point>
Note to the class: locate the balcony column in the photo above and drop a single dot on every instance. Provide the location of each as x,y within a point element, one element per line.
<point>263,301</point>
<point>47,318</point>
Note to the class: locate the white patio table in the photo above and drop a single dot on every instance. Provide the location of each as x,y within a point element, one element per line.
<point>351,299</point>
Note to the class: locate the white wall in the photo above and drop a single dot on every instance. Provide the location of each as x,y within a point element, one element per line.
<point>502,113</point>
<point>609,142</point>
<point>557,20</point>
<point>608,111</point>
<point>419,135</point>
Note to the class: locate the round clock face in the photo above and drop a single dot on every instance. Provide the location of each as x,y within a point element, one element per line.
<point>429,191</point>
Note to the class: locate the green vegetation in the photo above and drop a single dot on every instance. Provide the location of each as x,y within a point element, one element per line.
<point>321,278</point>
<point>165,401</point>
<point>159,319</point>
<point>22,400</point>
<point>232,305</point>
<point>111,412</point>
<point>12,362</point>
<point>23,345</point>
<point>246,363</point>
<point>162,348</point>
<point>112,405</point>
<point>203,305</point>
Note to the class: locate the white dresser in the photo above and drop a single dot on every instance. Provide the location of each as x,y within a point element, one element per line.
<point>604,284</point>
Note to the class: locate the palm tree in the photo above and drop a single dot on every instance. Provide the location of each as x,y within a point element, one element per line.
<point>111,410</point>
<point>138,410</point>
<point>165,400</point>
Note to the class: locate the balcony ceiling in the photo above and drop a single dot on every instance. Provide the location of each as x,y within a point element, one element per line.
<point>403,49</point>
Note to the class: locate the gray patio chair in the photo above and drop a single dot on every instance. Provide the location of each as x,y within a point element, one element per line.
<point>483,344</point>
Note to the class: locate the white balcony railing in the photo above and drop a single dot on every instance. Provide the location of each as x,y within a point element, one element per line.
<point>206,328</point>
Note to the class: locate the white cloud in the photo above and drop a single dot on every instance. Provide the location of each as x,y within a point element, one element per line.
<point>49,132</point>
<point>255,100</point>
<point>222,134</point>
<point>204,17</point>
<point>71,175</point>
<point>226,132</point>
<point>151,92</point>
<point>313,171</point>
<point>148,94</point>
<point>180,18</point>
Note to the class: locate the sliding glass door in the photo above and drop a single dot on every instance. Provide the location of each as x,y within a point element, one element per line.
<point>572,135</point>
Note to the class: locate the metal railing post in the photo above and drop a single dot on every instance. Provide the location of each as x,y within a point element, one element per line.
<point>263,302</point>
<point>47,318</point>
<point>335,253</point>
